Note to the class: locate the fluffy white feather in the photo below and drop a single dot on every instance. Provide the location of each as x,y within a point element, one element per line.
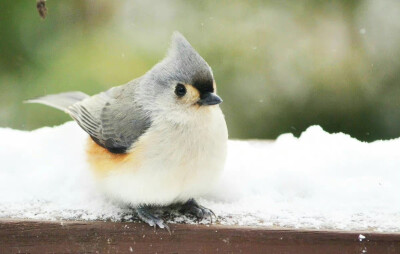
<point>178,161</point>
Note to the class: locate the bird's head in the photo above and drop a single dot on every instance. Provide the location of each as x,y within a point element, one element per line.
<point>182,82</point>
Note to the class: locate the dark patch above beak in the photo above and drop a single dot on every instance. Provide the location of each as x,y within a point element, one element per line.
<point>209,99</point>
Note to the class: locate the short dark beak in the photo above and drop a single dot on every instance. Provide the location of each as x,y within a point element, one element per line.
<point>209,99</point>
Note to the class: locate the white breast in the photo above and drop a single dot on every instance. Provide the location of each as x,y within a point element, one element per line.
<point>178,161</point>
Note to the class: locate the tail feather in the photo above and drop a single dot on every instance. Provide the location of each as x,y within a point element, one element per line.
<point>60,101</point>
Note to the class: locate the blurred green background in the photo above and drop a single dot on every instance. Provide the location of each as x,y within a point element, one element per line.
<point>280,66</point>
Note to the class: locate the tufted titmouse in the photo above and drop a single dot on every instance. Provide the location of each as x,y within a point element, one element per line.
<point>158,140</point>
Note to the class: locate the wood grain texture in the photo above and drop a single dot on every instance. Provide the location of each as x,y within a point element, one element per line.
<point>120,237</point>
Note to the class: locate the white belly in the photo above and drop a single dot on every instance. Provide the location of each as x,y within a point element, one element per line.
<point>177,162</point>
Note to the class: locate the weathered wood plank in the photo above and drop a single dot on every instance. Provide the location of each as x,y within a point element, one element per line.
<point>120,237</point>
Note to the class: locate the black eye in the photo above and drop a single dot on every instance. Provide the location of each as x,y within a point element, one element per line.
<point>180,90</point>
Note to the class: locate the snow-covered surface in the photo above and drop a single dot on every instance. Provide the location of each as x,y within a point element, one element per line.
<point>320,180</point>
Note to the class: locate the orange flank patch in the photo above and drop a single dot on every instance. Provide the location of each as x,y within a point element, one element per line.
<point>103,162</point>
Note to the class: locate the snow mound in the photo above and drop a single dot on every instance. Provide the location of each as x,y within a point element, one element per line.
<point>320,180</point>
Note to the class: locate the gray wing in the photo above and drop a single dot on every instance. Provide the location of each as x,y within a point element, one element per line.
<point>113,119</point>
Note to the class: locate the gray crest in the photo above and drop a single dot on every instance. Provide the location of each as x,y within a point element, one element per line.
<point>184,64</point>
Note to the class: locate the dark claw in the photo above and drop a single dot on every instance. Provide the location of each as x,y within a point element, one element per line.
<point>201,212</point>
<point>167,228</point>
<point>215,216</point>
<point>146,216</point>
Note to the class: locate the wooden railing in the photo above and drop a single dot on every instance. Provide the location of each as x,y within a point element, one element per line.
<point>119,237</point>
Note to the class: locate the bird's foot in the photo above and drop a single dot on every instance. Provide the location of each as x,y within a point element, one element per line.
<point>145,215</point>
<point>201,212</point>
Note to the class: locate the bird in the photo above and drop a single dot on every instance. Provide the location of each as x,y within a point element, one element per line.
<point>158,140</point>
